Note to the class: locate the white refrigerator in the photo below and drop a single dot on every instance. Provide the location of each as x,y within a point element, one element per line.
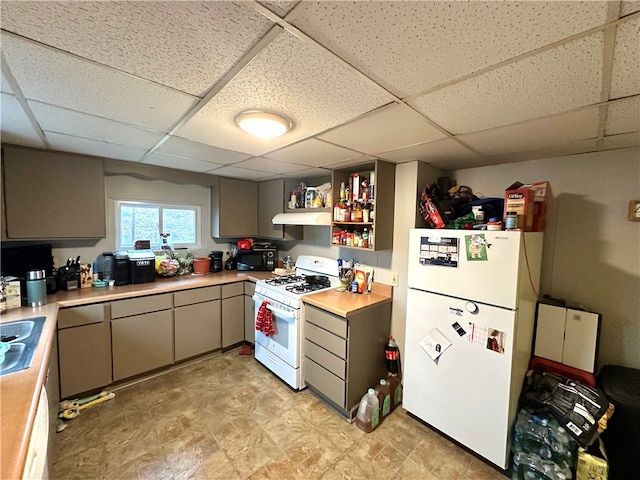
<point>470,313</point>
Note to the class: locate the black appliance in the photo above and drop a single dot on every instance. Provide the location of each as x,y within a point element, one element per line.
<point>142,266</point>
<point>18,260</point>
<point>231,263</point>
<point>120,273</point>
<point>258,260</point>
<point>216,261</point>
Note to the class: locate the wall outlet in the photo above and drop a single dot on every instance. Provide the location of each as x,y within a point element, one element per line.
<point>394,279</point>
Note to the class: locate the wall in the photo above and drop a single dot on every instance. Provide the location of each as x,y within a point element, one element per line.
<point>125,187</point>
<point>591,251</point>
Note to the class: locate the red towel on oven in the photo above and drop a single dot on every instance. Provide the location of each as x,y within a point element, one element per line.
<point>264,320</point>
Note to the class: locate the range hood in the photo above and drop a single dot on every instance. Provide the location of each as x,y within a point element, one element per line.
<point>302,218</point>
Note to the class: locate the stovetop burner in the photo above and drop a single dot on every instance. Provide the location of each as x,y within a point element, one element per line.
<point>306,287</point>
<point>284,280</point>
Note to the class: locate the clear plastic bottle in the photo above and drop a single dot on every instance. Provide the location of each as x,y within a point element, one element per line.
<point>540,434</point>
<point>368,416</point>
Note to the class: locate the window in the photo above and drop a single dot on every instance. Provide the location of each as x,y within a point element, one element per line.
<point>147,220</point>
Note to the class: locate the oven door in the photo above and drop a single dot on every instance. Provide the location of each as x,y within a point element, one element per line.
<point>285,342</point>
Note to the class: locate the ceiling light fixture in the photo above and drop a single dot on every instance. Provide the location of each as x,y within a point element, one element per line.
<point>263,124</point>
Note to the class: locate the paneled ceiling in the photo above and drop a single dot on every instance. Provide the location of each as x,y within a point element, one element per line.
<point>454,84</point>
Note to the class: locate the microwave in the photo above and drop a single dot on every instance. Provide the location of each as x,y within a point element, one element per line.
<point>259,260</point>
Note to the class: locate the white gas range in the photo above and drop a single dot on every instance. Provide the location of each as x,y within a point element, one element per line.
<point>282,296</point>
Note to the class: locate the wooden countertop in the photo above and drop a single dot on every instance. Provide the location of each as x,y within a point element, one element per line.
<point>19,392</point>
<point>347,303</point>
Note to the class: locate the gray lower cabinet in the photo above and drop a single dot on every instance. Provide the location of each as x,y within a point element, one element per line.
<point>344,356</point>
<point>232,314</point>
<point>197,321</point>
<point>249,313</point>
<point>84,349</point>
<point>142,337</point>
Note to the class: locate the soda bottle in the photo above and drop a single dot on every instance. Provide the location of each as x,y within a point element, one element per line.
<point>392,356</point>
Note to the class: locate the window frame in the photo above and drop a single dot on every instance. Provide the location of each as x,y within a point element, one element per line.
<point>161,205</point>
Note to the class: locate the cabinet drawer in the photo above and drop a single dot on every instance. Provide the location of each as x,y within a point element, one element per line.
<point>328,321</point>
<point>324,381</point>
<point>326,340</point>
<point>136,306</point>
<point>322,357</point>
<point>249,288</point>
<point>76,316</point>
<point>196,295</point>
<point>232,289</point>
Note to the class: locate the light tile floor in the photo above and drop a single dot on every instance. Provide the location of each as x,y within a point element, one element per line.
<point>228,417</point>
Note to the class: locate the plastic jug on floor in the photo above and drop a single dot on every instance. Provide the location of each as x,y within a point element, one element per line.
<point>368,416</point>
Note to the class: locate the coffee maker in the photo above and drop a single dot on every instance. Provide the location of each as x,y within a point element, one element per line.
<point>232,261</point>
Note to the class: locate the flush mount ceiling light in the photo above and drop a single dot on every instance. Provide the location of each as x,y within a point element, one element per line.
<point>263,124</point>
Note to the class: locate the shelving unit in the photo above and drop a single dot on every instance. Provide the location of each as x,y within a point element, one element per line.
<point>380,228</point>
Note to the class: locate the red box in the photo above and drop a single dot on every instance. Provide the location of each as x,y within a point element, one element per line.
<point>529,202</point>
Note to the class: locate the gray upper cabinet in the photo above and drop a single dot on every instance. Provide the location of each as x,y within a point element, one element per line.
<point>272,199</point>
<point>52,195</point>
<point>234,208</point>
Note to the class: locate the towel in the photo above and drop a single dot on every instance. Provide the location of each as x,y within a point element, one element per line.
<point>264,320</point>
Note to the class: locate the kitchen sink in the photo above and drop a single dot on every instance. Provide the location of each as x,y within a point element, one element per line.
<point>22,337</point>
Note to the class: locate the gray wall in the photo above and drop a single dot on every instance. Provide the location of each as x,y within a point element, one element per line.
<point>591,251</point>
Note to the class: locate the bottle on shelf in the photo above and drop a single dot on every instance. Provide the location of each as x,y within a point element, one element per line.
<point>343,192</point>
<point>357,213</point>
<point>366,213</point>
<point>372,188</point>
<point>365,238</point>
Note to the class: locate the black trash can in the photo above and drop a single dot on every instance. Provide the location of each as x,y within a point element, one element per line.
<point>621,385</point>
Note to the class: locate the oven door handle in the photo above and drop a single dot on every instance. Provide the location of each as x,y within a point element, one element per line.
<point>283,313</point>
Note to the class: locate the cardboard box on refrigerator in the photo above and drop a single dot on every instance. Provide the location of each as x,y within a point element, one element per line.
<point>529,201</point>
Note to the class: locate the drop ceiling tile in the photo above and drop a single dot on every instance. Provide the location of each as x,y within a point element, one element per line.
<point>15,126</point>
<point>281,7</point>
<point>351,162</point>
<point>68,143</point>
<point>60,79</point>
<point>623,116</point>
<point>294,79</point>
<point>312,152</point>
<point>627,8</point>
<point>624,140</point>
<point>582,146</point>
<point>68,122</point>
<point>185,45</point>
<point>563,78</point>
<point>411,46</point>
<point>269,165</point>
<point>392,126</point>
<point>4,85</point>
<point>625,76</point>
<point>447,150</point>
<point>554,130</point>
<point>242,173</point>
<point>308,173</point>
<point>180,163</point>
<point>199,151</point>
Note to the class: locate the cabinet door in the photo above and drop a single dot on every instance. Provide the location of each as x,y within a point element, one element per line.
<point>197,329</point>
<point>141,343</point>
<point>84,358</point>
<point>53,195</point>
<point>234,208</point>
<point>271,200</point>
<point>249,313</point>
<point>232,321</point>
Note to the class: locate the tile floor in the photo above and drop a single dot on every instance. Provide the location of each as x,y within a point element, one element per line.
<point>228,417</point>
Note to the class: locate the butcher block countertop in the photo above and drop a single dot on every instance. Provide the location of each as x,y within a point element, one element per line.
<point>345,304</point>
<point>19,392</point>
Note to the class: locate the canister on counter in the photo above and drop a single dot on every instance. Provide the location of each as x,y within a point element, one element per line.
<point>36,288</point>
